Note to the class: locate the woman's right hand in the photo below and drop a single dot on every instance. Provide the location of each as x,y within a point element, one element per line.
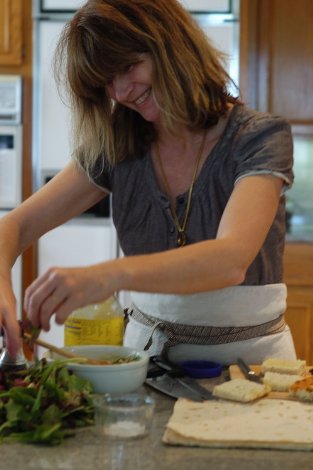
<point>8,320</point>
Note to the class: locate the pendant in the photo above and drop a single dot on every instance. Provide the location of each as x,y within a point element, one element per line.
<point>181,240</point>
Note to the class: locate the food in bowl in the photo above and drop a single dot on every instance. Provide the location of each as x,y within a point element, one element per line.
<point>125,370</point>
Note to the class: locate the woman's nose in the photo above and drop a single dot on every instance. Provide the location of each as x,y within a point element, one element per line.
<point>121,86</point>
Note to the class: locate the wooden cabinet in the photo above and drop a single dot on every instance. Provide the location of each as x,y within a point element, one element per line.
<point>277,59</point>
<point>298,276</point>
<point>11,32</point>
<point>276,75</point>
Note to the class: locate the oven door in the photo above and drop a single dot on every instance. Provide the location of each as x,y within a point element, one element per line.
<point>10,166</point>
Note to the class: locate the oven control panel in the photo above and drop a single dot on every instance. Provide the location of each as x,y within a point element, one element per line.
<point>10,99</point>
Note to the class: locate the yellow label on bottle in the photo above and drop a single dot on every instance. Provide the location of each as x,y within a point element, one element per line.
<point>79,331</point>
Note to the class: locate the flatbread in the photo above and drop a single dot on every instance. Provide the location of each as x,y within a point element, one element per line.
<point>267,423</point>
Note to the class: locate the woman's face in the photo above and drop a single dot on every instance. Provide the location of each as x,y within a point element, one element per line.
<point>133,89</point>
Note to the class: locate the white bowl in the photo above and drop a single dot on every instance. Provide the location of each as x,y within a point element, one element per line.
<point>113,378</point>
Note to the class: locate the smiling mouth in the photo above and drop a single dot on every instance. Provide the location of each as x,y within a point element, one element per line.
<point>139,101</point>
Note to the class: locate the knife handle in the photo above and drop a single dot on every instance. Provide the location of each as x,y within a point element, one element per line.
<point>244,367</point>
<point>248,373</point>
<point>171,369</point>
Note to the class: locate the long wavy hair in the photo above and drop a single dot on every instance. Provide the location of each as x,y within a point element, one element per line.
<point>105,37</point>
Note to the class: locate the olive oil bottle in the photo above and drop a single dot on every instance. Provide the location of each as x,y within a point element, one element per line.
<point>96,324</point>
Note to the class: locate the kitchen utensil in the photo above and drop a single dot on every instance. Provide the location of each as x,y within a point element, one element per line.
<point>171,387</point>
<point>248,372</point>
<point>180,376</point>
<point>65,352</point>
<point>124,377</point>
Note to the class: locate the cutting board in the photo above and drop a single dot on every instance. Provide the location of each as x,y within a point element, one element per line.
<point>235,373</point>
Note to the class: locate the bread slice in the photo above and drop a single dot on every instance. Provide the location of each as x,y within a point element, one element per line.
<point>303,389</point>
<point>284,366</point>
<point>280,382</point>
<point>241,390</point>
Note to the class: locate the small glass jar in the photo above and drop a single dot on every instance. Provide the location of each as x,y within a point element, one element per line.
<point>120,417</point>
<point>96,324</point>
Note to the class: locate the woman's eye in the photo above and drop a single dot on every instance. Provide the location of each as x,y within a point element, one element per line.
<point>129,68</point>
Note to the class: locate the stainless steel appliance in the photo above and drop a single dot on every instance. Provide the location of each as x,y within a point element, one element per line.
<point>11,159</point>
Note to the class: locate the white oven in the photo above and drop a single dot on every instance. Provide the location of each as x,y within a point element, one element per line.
<point>11,160</point>
<point>10,166</point>
<point>10,141</point>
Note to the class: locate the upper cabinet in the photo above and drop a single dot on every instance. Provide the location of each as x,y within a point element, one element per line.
<point>11,32</point>
<point>277,59</point>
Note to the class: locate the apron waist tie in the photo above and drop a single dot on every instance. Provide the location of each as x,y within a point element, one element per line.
<point>178,333</point>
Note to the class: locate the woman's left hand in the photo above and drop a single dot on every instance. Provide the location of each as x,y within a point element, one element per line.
<point>59,291</point>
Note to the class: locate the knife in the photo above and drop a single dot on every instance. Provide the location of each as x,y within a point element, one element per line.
<point>175,372</point>
<point>248,372</point>
<point>170,387</point>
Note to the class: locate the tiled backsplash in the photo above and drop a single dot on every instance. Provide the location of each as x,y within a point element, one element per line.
<point>300,196</point>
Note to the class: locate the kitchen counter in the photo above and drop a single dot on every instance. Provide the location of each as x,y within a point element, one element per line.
<point>86,451</point>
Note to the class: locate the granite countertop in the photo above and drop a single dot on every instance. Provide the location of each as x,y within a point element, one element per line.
<point>87,451</point>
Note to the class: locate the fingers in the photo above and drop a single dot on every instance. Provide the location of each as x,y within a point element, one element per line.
<point>12,335</point>
<point>8,321</point>
<point>58,291</point>
<point>39,289</point>
<point>43,298</point>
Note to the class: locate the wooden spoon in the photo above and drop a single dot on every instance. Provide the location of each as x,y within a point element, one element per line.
<point>65,353</point>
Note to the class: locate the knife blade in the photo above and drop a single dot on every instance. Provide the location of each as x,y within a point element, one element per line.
<point>248,372</point>
<point>179,375</point>
<point>170,387</point>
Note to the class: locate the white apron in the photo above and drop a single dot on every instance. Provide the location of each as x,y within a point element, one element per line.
<point>236,306</point>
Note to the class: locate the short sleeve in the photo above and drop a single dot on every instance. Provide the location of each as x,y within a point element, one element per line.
<point>264,146</point>
<point>100,174</point>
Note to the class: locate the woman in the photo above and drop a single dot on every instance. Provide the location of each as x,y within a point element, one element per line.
<point>197,182</point>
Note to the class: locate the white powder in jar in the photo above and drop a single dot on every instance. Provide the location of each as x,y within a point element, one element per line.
<point>125,429</point>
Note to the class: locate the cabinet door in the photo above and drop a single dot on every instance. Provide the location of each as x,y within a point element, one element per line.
<point>76,243</point>
<point>11,32</point>
<point>299,317</point>
<point>277,58</point>
<point>298,266</point>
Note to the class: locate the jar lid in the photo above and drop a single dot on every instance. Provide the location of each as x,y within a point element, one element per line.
<point>201,369</point>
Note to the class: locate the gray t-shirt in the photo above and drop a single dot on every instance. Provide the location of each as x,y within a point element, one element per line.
<point>252,143</point>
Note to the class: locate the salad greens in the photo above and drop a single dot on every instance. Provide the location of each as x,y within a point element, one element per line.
<point>43,404</point>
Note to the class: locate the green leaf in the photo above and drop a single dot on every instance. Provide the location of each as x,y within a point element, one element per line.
<point>46,411</point>
<point>25,396</point>
<point>52,415</point>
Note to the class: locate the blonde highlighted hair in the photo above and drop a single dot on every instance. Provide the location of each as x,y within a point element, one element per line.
<point>105,37</point>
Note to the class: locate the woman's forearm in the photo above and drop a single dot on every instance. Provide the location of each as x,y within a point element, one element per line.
<point>200,267</point>
<point>9,243</point>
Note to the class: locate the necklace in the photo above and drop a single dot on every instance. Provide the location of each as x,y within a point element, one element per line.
<point>181,239</point>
